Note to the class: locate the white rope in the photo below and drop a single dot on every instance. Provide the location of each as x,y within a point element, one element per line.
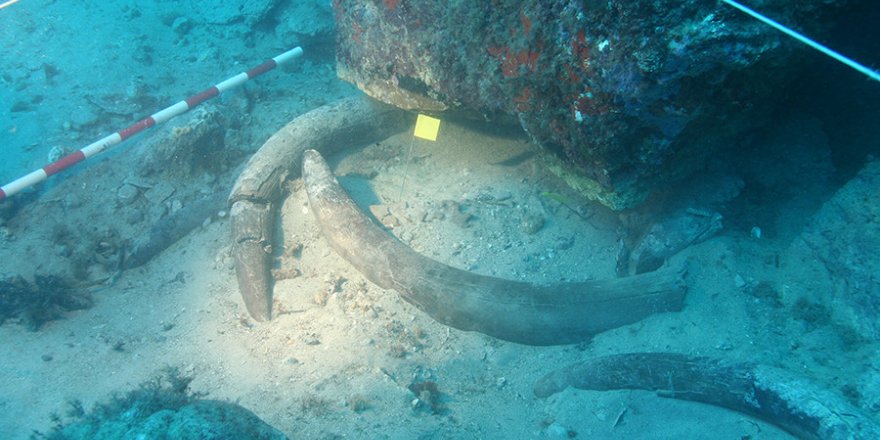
<point>806,40</point>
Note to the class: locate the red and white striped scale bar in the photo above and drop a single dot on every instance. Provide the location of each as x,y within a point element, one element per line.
<point>154,119</point>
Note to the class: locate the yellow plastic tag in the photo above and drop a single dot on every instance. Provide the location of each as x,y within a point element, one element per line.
<point>427,127</point>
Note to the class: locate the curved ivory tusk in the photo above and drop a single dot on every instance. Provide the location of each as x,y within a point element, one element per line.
<point>793,403</point>
<point>511,310</point>
<point>257,191</point>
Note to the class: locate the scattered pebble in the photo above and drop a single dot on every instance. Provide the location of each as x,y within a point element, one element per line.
<point>531,223</point>
<point>556,430</point>
<point>138,183</point>
<point>181,26</point>
<point>127,193</point>
<point>72,201</point>
<point>500,382</point>
<point>457,213</point>
<point>176,205</point>
<point>756,232</point>
<point>384,215</point>
<point>503,195</point>
<point>55,153</point>
<point>563,243</point>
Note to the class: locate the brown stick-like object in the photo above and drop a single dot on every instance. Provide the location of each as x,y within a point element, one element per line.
<point>257,192</point>
<point>511,310</point>
<point>772,394</point>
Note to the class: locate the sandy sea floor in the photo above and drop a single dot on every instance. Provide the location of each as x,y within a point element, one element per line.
<point>338,359</point>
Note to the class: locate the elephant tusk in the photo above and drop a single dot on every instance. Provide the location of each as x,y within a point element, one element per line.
<point>791,402</point>
<point>258,190</point>
<point>515,311</point>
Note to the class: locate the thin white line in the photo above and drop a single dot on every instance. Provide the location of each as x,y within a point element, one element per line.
<point>806,40</point>
<point>8,3</point>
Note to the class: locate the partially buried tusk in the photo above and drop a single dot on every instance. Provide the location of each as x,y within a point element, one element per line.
<point>777,396</point>
<point>510,310</point>
<point>258,190</point>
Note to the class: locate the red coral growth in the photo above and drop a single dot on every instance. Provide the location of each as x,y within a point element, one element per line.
<point>511,61</point>
<point>391,4</point>
<point>580,49</point>
<point>592,104</point>
<point>523,101</point>
<point>497,51</point>
<point>526,22</point>
<point>509,65</point>
<point>570,74</point>
<point>356,33</point>
<point>533,57</point>
<point>339,11</point>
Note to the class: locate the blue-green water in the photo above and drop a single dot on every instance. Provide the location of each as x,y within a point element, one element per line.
<point>791,280</point>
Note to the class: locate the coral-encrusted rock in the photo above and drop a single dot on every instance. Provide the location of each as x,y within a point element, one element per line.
<point>633,94</point>
<point>162,408</point>
<point>843,237</point>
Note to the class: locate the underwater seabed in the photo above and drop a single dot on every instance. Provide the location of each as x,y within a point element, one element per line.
<point>343,357</point>
<point>112,324</point>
